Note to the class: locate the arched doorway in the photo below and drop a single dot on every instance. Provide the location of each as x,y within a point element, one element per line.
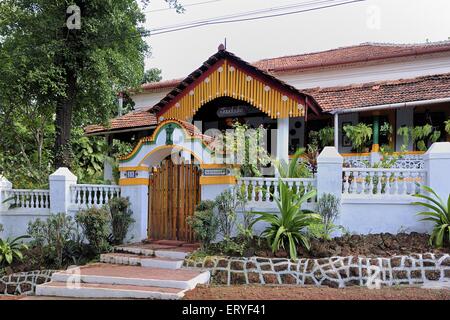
<point>174,193</point>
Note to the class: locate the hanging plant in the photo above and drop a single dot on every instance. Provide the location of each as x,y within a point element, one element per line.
<point>359,135</point>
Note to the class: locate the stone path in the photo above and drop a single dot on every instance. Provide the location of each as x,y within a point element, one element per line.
<point>137,271</point>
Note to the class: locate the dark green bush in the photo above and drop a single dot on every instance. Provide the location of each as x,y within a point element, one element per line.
<point>95,223</point>
<point>121,218</point>
<point>204,223</point>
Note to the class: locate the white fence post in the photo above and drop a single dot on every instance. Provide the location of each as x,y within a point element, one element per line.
<point>4,186</point>
<point>437,164</point>
<point>60,182</point>
<point>329,172</point>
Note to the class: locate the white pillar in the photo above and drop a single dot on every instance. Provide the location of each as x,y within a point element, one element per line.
<point>336,131</point>
<point>108,171</point>
<point>329,172</point>
<point>5,185</point>
<point>137,190</point>
<point>283,139</point>
<point>437,164</point>
<point>60,182</point>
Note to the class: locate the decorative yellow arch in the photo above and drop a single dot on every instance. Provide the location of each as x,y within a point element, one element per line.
<point>168,147</point>
<point>228,80</point>
<point>152,139</point>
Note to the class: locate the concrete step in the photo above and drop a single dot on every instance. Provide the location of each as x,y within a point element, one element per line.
<point>110,291</point>
<point>178,253</point>
<point>142,249</point>
<point>101,273</point>
<point>139,260</point>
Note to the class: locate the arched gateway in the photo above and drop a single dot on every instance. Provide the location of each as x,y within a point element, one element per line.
<point>174,168</point>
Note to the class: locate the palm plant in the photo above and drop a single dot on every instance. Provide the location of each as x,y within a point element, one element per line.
<point>439,214</point>
<point>293,169</point>
<point>11,249</point>
<point>290,227</point>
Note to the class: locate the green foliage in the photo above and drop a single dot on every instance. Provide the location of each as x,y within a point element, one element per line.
<point>360,135</point>
<point>328,207</point>
<point>121,218</point>
<point>152,75</point>
<point>246,145</point>
<point>447,126</point>
<point>95,223</point>
<point>295,168</point>
<point>421,136</point>
<point>205,223</point>
<point>11,250</point>
<point>88,157</point>
<point>58,239</point>
<point>437,212</point>
<point>289,228</point>
<point>322,138</point>
<point>226,204</point>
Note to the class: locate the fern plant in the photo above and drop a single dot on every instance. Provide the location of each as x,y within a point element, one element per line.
<point>447,126</point>
<point>437,212</point>
<point>359,135</point>
<point>289,228</point>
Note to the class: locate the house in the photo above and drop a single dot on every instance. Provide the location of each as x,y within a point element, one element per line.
<point>175,162</point>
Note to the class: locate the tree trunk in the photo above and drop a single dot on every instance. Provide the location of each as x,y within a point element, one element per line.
<point>63,123</point>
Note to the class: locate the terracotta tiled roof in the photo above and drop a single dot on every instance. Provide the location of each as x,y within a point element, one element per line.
<point>360,53</point>
<point>133,119</point>
<point>352,54</point>
<point>379,93</point>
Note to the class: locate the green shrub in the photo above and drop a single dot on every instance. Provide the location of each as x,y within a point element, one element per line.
<point>289,228</point>
<point>295,168</point>
<point>95,223</point>
<point>328,208</point>
<point>204,223</point>
<point>1,228</point>
<point>121,218</point>
<point>11,250</point>
<point>360,135</point>
<point>437,212</point>
<point>58,239</point>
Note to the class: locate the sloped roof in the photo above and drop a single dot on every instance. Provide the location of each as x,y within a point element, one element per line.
<point>358,53</point>
<point>384,92</point>
<point>134,119</point>
<point>223,54</point>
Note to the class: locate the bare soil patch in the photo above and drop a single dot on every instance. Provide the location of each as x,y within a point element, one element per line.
<point>313,293</point>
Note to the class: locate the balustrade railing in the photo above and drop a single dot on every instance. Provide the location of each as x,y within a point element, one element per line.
<point>93,195</point>
<point>29,199</point>
<point>264,190</point>
<point>382,182</point>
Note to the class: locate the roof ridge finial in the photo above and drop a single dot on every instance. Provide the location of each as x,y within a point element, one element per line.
<point>221,47</point>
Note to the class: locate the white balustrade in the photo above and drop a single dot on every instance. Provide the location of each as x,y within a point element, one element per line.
<point>382,182</point>
<point>92,194</point>
<point>264,190</point>
<point>27,199</point>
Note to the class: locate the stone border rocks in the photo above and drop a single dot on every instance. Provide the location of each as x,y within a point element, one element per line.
<point>23,283</point>
<point>336,272</point>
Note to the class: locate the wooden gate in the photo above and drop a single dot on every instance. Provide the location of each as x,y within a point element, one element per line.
<point>174,192</point>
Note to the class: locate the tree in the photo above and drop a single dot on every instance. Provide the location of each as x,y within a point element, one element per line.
<point>152,75</point>
<point>75,73</point>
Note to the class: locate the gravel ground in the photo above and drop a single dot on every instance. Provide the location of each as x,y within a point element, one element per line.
<point>313,293</point>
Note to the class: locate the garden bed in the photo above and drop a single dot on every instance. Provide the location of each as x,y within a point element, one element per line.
<point>373,245</point>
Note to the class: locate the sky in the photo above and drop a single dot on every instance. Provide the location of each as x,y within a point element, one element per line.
<point>392,21</point>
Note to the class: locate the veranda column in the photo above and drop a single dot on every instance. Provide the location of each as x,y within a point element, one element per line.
<point>437,164</point>
<point>336,131</point>
<point>375,155</point>
<point>60,182</point>
<point>282,152</point>
<point>329,172</point>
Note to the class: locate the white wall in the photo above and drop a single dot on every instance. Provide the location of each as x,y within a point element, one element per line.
<point>365,217</point>
<point>15,221</point>
<point>146,99</point>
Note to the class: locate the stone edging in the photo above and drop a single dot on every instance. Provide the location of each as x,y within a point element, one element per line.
<point>337,272</point>
<point>23,283</point>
